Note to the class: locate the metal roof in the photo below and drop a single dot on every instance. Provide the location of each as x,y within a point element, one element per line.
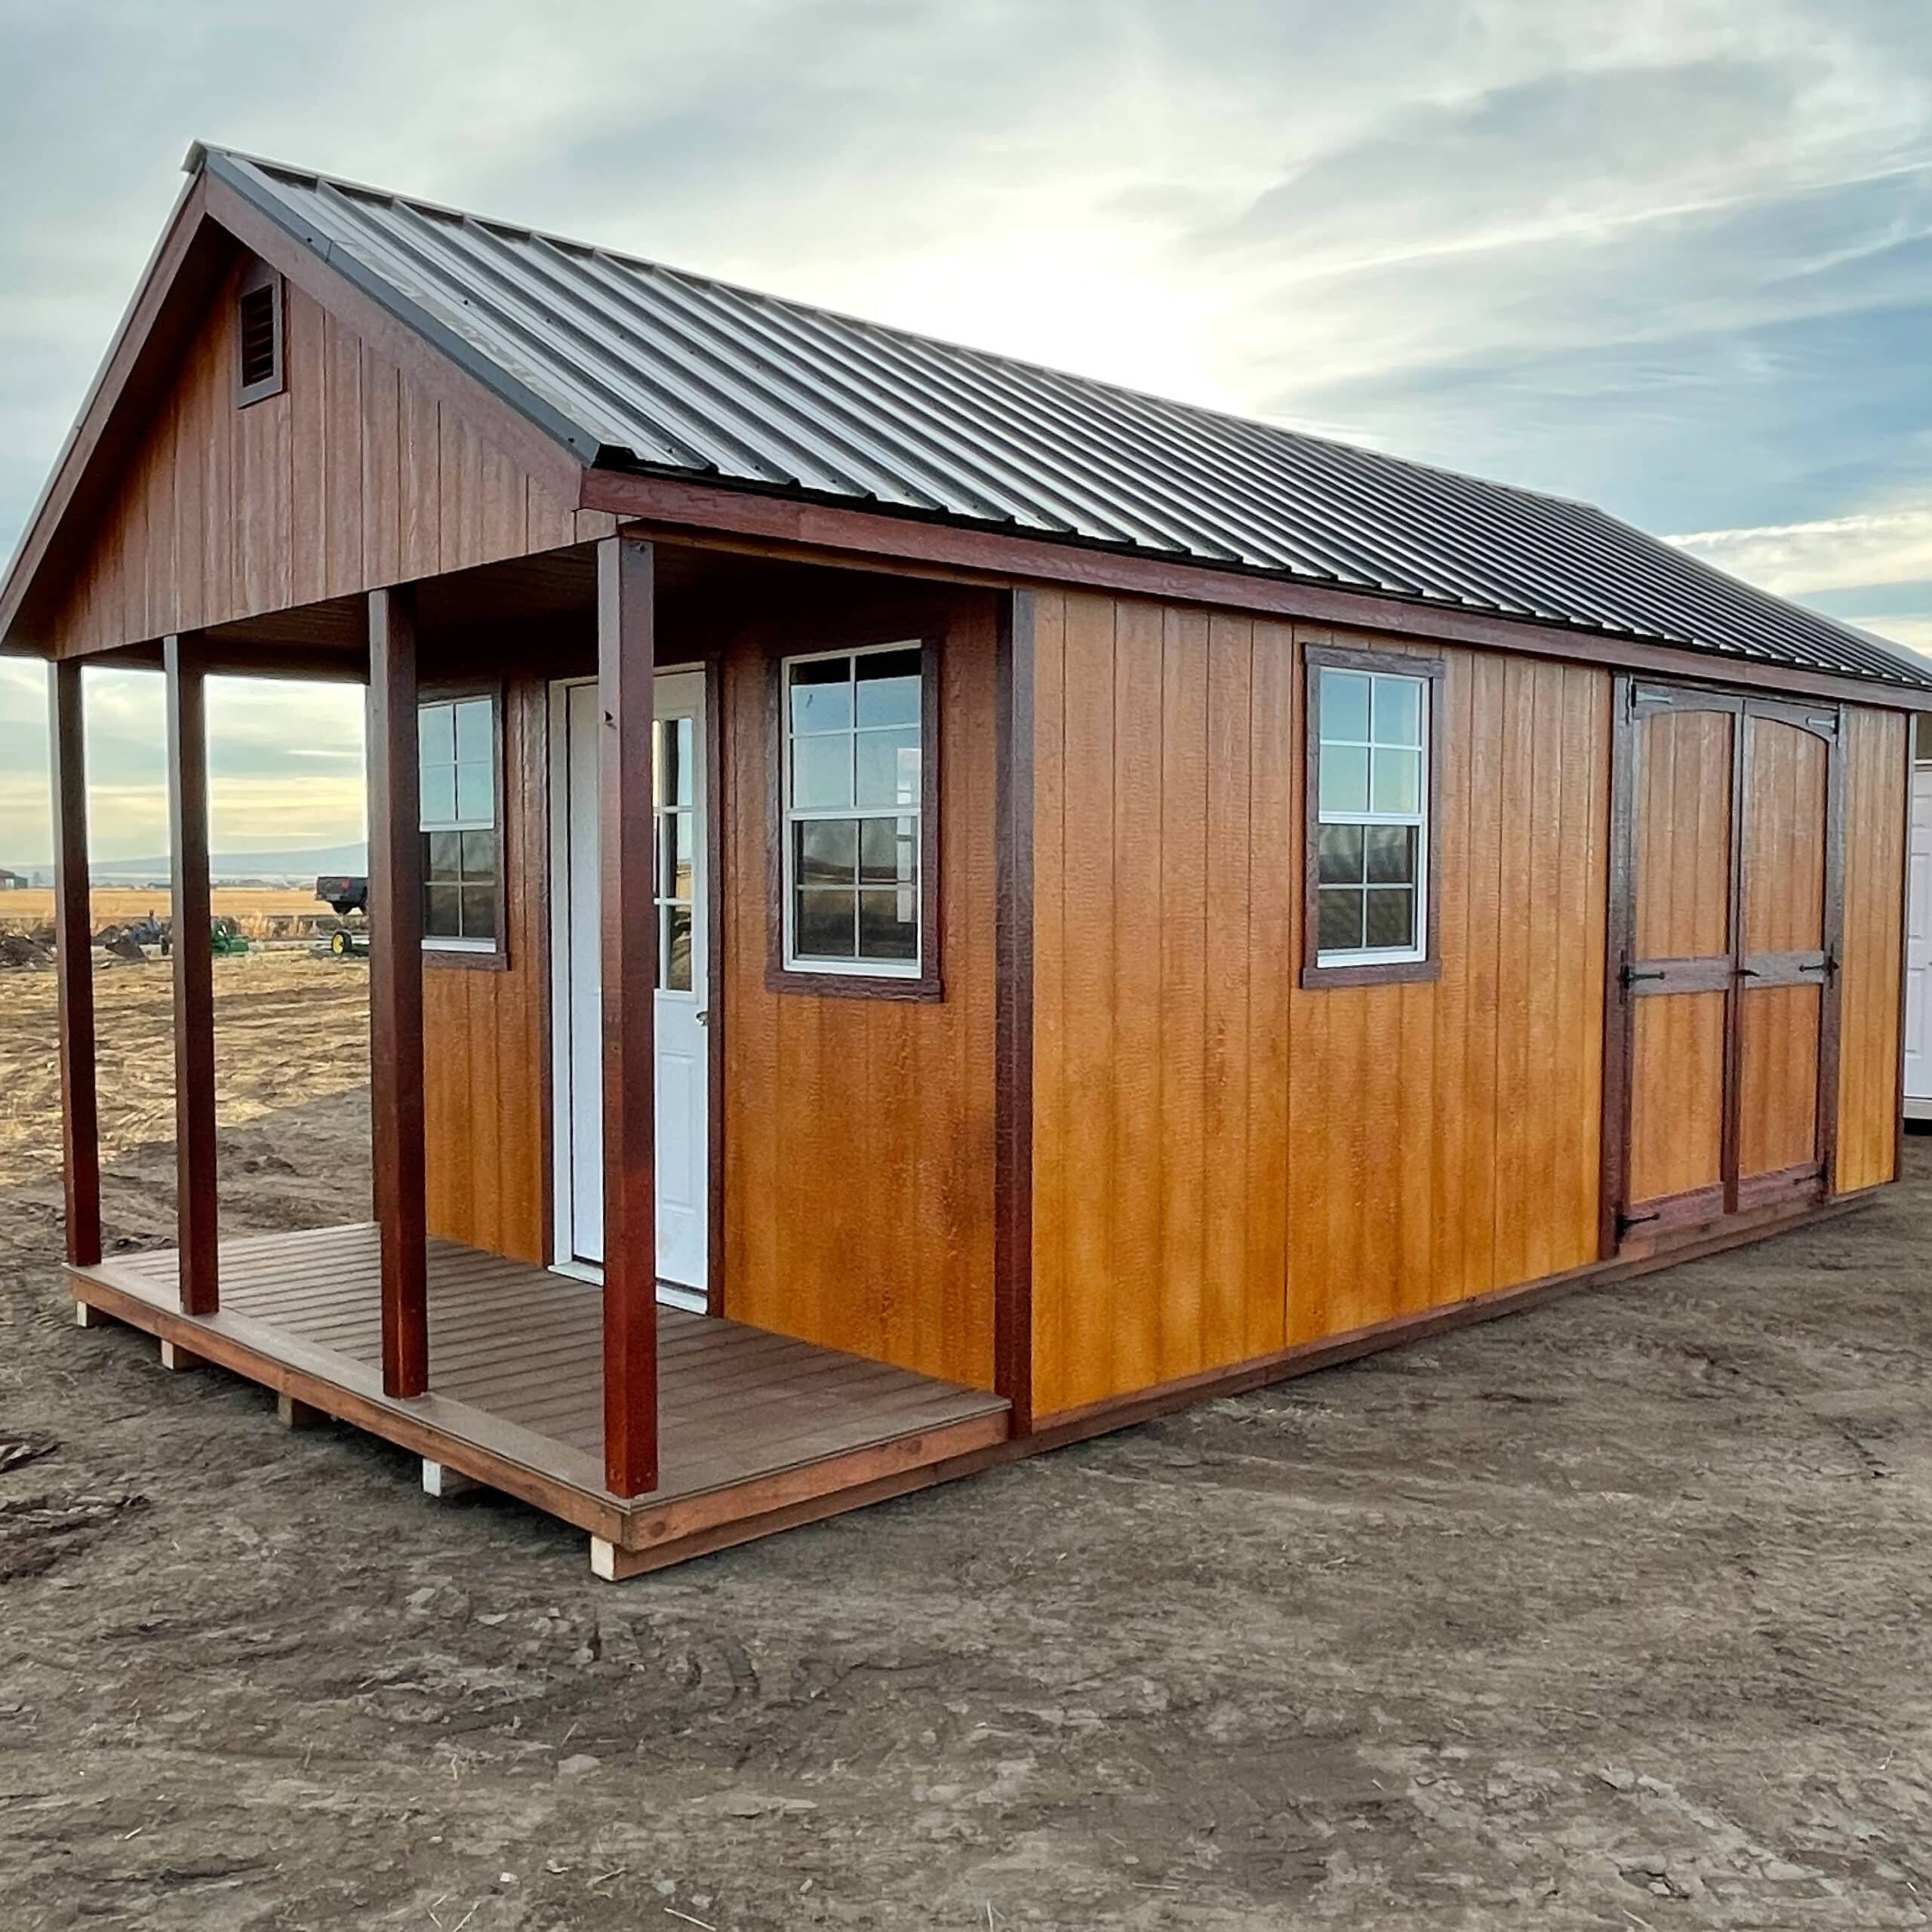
<point>638,367</point>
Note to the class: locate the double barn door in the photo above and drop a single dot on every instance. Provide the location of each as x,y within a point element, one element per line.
<point>1726,907</point>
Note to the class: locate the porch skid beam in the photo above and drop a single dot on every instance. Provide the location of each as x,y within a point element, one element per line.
<point>192,947</point>
<point>395,992</point>
<point>73,966</point>
<point>626,668</point>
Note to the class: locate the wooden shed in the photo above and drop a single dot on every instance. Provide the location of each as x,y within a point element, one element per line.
<point>927,907</point>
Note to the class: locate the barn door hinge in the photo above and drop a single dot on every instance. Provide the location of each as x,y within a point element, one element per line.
<point>1625,1222</point>
<point>1631,974</point>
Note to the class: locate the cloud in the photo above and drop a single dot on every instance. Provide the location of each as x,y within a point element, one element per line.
<point>1807,560</point>
<point>266,790</point>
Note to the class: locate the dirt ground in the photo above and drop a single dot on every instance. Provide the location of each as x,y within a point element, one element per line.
<point>1611,1614</point>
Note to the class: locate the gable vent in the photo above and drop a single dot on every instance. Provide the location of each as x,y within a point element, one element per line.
<point>258,369</point>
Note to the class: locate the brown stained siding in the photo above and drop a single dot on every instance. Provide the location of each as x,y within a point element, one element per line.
<point>486,1044</point>
<point>351,478</point>
<point>1874,949</point>
<point>1319,1160</point>
<point>859,1132</point>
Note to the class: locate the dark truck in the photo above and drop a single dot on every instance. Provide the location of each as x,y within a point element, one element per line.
<point>346,896</point>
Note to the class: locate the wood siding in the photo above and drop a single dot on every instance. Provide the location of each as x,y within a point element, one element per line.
<point>1225,1165</point>
<point>1868,1098</point>
<point>353,478</point>
<point>486,1038</point>
<point>859,1131</point>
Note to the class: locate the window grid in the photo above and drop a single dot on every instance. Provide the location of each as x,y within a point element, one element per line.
<point>1372,831</point>
<point>853,777</point>
<point>456,750</point>
<point>675,808</point>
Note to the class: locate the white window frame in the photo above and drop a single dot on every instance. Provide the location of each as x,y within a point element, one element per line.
<point>437,944</point>
<point>1381,955</point>
<point>789,816</point>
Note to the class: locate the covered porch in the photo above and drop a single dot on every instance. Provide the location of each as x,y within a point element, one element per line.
<point>755,1431</point>
<point>663,1434</point>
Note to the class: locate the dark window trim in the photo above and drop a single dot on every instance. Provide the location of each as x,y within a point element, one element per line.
<point>1316,658</point>
<point>469,958</point>
<point>259,277</point>
<point>929,985</point>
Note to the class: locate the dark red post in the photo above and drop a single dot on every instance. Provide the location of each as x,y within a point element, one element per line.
<point>197,1210</point>
<point>73,965</point>
<point>626,670</point>
<point>395,992</point>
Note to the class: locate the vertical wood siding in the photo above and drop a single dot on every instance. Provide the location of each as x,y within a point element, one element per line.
<point>1225,1165</point>
<point>351,478</point>
<point>859,1132</point>
<point>1874,949</point>
<point>485,1032</point>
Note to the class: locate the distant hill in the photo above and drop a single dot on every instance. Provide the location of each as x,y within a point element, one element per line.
<point>310,864</point>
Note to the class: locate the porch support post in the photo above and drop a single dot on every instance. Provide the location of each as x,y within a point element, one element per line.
<point>395,992</point>
<point>73,965</point>
<point>625,667</point>
<point>192,949</point>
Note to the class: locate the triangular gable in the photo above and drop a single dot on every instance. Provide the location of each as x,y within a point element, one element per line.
<point>172,509</point>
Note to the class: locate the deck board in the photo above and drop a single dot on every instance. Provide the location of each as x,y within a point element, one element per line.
<point>515,1373</point>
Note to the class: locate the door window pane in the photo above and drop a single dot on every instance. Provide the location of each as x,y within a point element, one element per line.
<point>676,976</point>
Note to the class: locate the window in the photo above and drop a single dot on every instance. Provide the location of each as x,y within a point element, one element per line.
<point>1372,754</point>
<point>462,848</point>
<point>855,814</point>
<point>258,334</point>
<point>673,806</point>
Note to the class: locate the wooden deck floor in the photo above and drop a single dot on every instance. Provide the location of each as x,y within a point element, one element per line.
<point>756,1430</point>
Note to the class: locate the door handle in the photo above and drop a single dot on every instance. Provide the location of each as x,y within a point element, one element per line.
<point>702,1016</point>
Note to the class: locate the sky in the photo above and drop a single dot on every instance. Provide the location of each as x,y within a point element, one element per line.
<point>1674,257</point>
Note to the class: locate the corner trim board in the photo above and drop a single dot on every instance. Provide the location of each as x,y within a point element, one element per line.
<point>1013,1235</point>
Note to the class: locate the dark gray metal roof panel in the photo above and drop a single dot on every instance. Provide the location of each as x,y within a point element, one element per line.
<point>632,364</point>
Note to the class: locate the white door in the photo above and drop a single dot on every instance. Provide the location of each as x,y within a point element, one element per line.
<point>1918,952</point>
<point>683,1131</point>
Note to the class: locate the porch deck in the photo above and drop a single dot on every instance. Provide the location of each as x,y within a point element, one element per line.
<point>757,1432</point>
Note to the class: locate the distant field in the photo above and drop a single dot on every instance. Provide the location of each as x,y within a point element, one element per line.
<point>262,912</point>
